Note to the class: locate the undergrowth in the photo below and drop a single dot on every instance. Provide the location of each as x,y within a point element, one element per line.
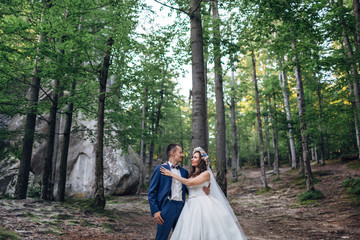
<point>311,195</point>
<point>352,187</point>
<point>7,234</point>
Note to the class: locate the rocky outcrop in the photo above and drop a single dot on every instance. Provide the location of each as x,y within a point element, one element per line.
<point>121,169</point>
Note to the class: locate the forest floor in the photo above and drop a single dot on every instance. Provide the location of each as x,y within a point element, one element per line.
<point>273,214</point>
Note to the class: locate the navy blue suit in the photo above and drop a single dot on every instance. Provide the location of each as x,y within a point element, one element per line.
<point>158,195</point>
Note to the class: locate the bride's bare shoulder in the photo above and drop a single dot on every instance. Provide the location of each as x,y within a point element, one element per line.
<point>206,174</point>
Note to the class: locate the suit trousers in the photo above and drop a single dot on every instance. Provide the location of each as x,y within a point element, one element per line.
<point>170,214</point>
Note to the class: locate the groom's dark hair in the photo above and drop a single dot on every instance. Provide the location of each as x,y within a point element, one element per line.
<point>171,147</point>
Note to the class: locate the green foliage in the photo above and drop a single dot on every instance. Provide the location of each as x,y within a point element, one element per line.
<point>311,195</point>
<point>352,185</point>
<point>7,234</point>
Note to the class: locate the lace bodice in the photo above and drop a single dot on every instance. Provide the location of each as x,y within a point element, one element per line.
<point>197,191</point>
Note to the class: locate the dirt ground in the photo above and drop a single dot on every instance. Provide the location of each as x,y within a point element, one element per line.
<point>273,214</point>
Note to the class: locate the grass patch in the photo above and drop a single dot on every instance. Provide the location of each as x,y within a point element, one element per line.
<point>73,222</point>
<point>55,231</point>
<point>311,195</point>
<point>7,234</point>
<point>263,190</point>
<point>83,204</point>
<point>354,200</point>
<point>108,227</point>
<point>352,185</point>
<point>31,216</point>
<point>354,165</point>
<point>278,179</point>
<point>85,223</point>
<point>300,181</point>
<point>63,217</point>
<point>6,197</point>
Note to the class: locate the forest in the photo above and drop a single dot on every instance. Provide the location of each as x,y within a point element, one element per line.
<point>93,91</point>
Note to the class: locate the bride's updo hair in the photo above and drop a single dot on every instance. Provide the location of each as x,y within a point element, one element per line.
<point>202,167</point>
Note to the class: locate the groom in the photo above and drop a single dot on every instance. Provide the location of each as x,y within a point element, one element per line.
<point>166,195</point>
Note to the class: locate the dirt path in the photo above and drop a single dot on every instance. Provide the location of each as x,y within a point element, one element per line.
<point>275,214</point>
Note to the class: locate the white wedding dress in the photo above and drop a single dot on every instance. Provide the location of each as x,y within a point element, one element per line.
<point>207,217</point>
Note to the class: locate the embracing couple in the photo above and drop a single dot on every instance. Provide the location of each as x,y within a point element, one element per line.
<point>206,214</point>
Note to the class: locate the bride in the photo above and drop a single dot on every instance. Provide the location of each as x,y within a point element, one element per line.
<point>204,216</point>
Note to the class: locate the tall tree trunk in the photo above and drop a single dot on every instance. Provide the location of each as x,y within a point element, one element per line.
<point>258,115</point>
<point>274,135</point>
<point>60,196</point>
<point>354,75</point>
<point>356,12</point>
<point>234,153</point>
<point>99,201</point>
<point>56,150</point>
<point>356,119</point>
<point>285,91</point>
<point>220,109</point>
<point>29,131</point>
<point>301,106</point>
<point>322,147</point>
<point>267,139</point>
<point>156,129</point>
<point>143,144</point>
<point>199,118</point>
<point>46,193</point>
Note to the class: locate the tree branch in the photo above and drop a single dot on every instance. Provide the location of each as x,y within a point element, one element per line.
<point>178,9</point>
<point>197,7</point>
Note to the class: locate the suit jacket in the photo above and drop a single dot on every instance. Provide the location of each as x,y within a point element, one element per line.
<point>160,188</point>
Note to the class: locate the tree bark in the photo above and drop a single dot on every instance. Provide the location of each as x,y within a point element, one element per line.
<point>267,139</point>
<point>356,12</point>
<point>28,139</point>
<point>46,193</point>
<point>301,106</point>
<point>143,144</point>
<point>285,91</point>
<point>60,196</point>
<point>274,135</point>
<point>99,201</point>
<point>234,153</point>
<point>322,147</point>
<point>199,118</point>
<point>356,120</point>
<point>29,131</point>
<point>156,129</point>
<point>354,76</point>
<point>258,115</point>
<point>220,109</point>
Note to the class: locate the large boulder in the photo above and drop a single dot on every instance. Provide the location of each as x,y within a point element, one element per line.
<point>121,168</point>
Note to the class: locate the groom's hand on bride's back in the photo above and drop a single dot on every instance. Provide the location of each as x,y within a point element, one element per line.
<point>158,218</point>
<point>207,189</point>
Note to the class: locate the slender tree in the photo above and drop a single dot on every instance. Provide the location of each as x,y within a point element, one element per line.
<point>234,152</point>
<point>60,196</point>
<point>301,109</point>
<point>199,116</point>
<point>285,91</point>
<point>143,143</point>
<point>258,116</point>
<point>29,131</point>
<point>220,109</point>
<point>99,201</point>
<point>274,135</point>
